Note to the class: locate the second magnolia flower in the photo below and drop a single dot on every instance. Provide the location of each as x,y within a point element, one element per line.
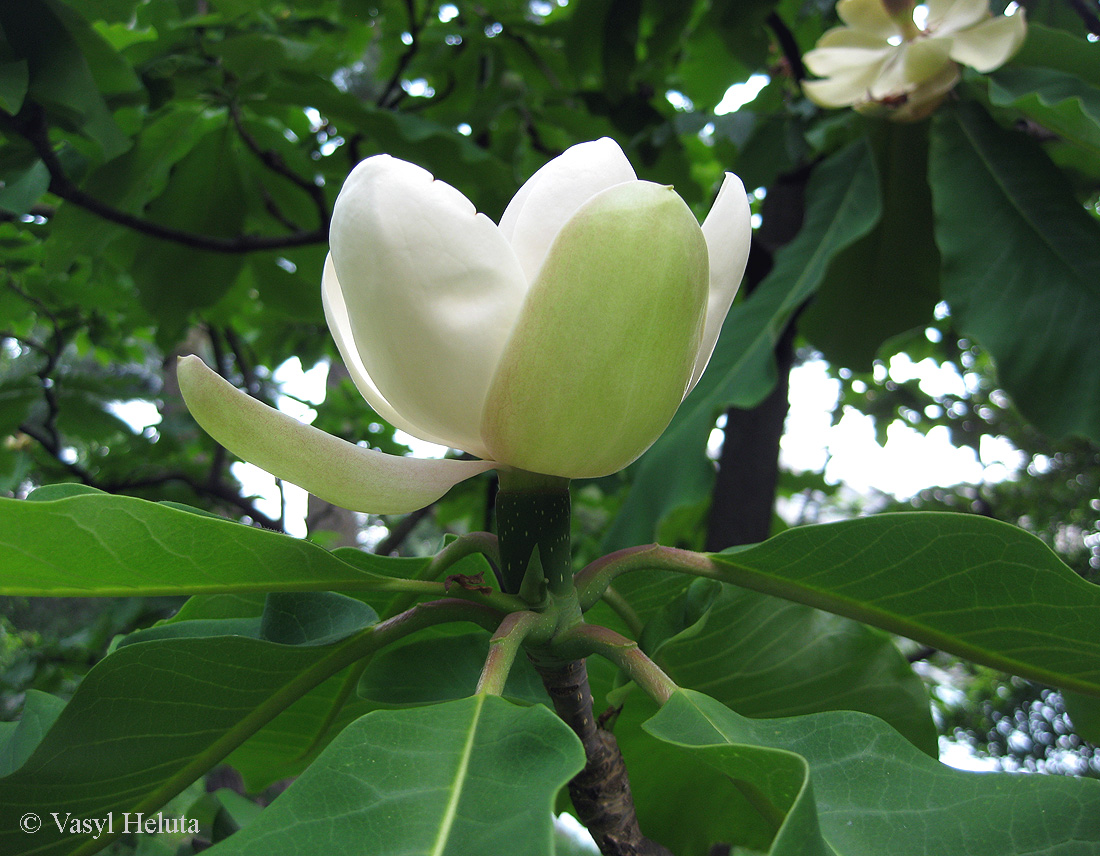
<point>560,342</point>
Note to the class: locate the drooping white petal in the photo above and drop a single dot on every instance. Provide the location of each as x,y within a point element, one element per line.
<point>330,468</point>
<point>554,193</point>
<point>990,44</point>
<point>608,337</point>
<point>432,291</point>
<point>336,314</point>
<point>870,16</point>
<point>728,232</point>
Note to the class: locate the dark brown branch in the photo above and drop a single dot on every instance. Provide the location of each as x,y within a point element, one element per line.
<point>393,93</point>
<point>33,127</point>
<point>788,46</point>
<point>274,162</point>
<point>401,531</point>
<point>601,791</point>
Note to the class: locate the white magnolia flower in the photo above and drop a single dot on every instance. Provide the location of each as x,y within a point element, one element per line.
<point>884,63</point>
<point>560,342</point>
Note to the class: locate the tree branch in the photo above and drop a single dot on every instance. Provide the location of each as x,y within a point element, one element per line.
<point>788,46</point>
<point>601,791</point>
<point>32,126</point>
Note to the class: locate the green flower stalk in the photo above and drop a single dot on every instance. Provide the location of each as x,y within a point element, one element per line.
<point>560,341</point>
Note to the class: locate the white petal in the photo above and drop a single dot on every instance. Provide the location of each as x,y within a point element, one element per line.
<point>870,16</point>
<point>990,44</point>
<point>728,232</point>
<point>328,467</point>
<point>843,50</point>
<point>842,90</point>
<point>432,291</point>
<point>554,193</point>
<point>947,16</point>
<point>336,314</point>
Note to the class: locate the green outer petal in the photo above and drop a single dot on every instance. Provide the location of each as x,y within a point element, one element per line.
<point>328,467</point>
<point>555,192</point>
<point>606,342</point>
<point>990,44</point>
<point>728,232</point>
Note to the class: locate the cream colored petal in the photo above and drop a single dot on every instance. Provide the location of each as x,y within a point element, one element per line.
<point>926,97</point>
<point>554,193</point>
<point>330,468</point>
<point>728,232</point>
<point>842,90</point>
<point>869,16</point>
<point>914,63</point>
<point>336,313</point>
<point>991,44</point>
<point>843,50</point>
<point>432,291</point>
<point>947,16</point>
<point>608,337</point>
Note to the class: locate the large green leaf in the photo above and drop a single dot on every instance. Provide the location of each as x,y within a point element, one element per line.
<point>966,584</point>
<point>872,792</point>
<point>465,778</point>
<point>205,197</point>
<point>1060,102</point>
<point>764,656</point>
<point>153,716</point>
<point>98,544</point>
<point>1021,267</point>
<point>843,205</point>
<point>887,282</point>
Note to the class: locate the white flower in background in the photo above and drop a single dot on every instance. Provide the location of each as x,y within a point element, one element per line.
<point>560,342</point>
<point>883,63</point>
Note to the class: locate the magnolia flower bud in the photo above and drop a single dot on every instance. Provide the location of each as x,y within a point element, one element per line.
<point>560,342</point>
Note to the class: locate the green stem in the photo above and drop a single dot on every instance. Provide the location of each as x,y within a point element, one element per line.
<point>585,639</point>
<point>483,543</point>
<point>592,581</point>
<point>503,647</point>
<point>533,515</point>
<point>624,610</point>
<point>362,644</point>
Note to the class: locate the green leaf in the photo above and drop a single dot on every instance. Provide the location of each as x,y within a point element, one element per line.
<point>887,282</point>
<point>1017,247</point>
<point>965,584</point>
<point>205,197</point>
<point>13,85</point>
<point>843,205</point>
<point>39,712</point>
<point>1084,713</point>
<point>441,668</point>
<point>475,776</point>
<point>1060,102</point>
<point>1048,47</point>
<point>150,718</point>
<point>872,792</point>
<point>99,544</point>
<point>47,36</point>
<point>313,618</point>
